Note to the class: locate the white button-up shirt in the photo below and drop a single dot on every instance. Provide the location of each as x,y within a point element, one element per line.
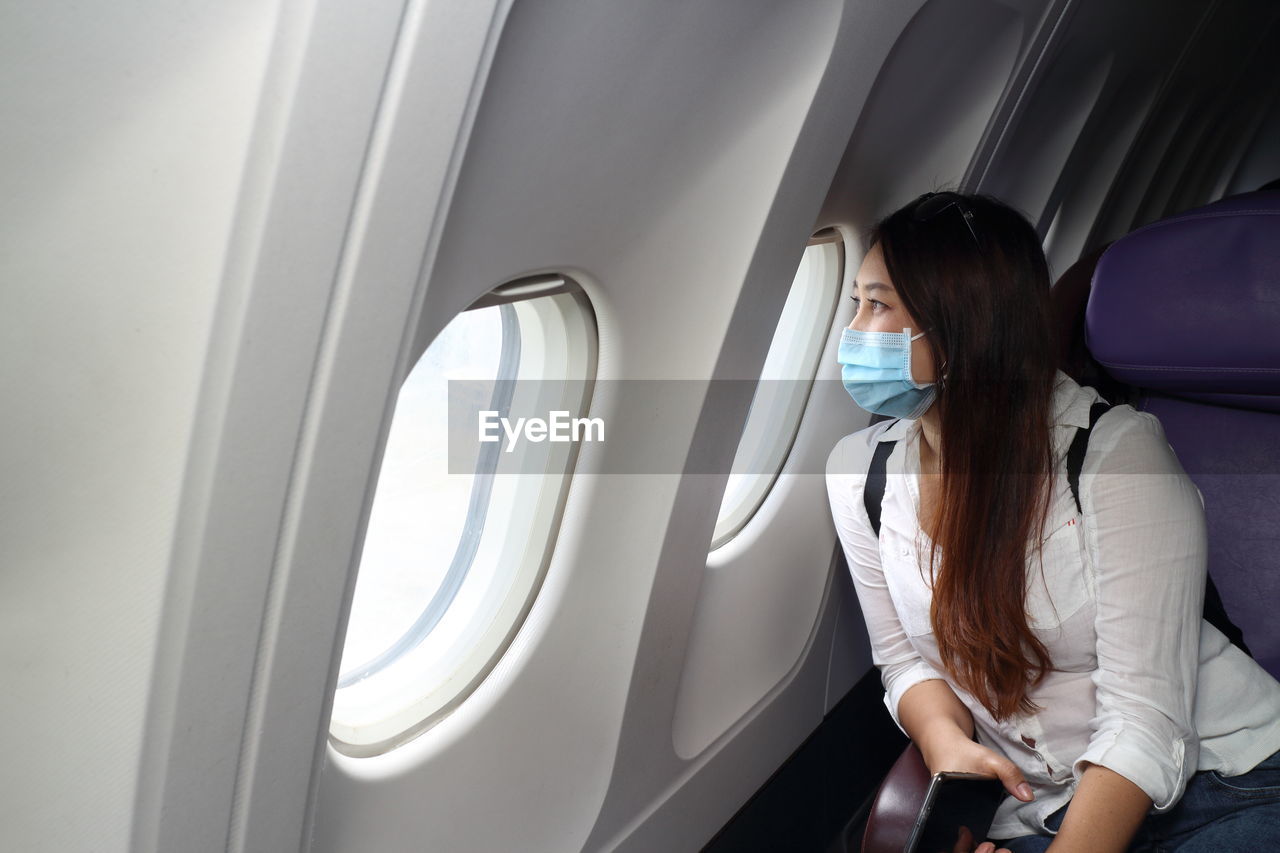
<point>1140,683</point>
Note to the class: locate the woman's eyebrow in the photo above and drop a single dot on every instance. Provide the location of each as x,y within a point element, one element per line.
<point>874,285</point>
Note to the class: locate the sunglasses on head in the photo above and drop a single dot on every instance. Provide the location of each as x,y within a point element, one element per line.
<point>930,205</point>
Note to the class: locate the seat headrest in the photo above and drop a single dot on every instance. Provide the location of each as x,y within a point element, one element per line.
<point>1190,305</point>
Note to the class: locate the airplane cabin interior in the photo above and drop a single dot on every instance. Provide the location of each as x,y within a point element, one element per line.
<point>257,596</point>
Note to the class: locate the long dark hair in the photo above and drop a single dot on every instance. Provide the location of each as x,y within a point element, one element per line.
<point>984,302</point>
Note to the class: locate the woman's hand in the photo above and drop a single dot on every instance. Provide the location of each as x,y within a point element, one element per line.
<point>952,750</point>
<point>988,847</point>
<point>958,753</point>
<point>942,729</point>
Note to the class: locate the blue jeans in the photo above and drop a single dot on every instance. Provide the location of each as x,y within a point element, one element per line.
<point>1216,813</point>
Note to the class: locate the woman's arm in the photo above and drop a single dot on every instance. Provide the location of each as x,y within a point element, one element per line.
<point>931,710</point>
<point>1145,527</point>
<point>942,727</point>
<point>1104,814</point>
<point>1103,817</point>
<point>901,666</point>
<point>917,697</point>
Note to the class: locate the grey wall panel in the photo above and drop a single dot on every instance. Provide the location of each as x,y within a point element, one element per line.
<point>1071,109</point>
<point>1207,95</point>
<point>1081,188</point>
<point>931,104</point>
<point>609,144</point>
<point>1260,162</point>
<point>126,132</point>
<point>294,204</point>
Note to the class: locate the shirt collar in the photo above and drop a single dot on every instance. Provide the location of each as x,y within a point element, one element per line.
<point>1071,404</point>
<point>1072,401</point>
<point>898,429</point>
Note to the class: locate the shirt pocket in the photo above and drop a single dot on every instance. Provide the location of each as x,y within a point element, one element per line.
<point>1063,587</point>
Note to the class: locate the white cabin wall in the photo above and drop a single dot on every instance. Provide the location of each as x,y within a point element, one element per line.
<point>932,103</point>
<point>126,132</point>
<point>611,145</point>
<point>275,491</point>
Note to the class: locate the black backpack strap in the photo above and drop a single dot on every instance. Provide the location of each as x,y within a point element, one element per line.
<point>1075,453</point>
<point>1214,611</point>
<point>873,491</point>
<point>1216,615</point>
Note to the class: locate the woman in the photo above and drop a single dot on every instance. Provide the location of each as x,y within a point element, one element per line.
<point>1063,651</point>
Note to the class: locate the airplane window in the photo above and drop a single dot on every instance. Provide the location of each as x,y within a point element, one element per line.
<point>460,531</point>
<point>784,385</point>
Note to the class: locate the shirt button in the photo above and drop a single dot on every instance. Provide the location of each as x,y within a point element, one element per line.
<point>905,550</point>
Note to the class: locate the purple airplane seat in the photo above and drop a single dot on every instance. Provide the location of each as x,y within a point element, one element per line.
<point>1186,312</point>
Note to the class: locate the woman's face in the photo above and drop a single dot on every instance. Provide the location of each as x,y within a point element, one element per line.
<point>878,309</point>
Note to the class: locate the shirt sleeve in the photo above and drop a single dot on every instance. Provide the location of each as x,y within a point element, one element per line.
<point>1145,529</point>
<point>901,666</point>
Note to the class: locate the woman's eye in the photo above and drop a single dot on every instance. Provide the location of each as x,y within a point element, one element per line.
<point>875,306</point>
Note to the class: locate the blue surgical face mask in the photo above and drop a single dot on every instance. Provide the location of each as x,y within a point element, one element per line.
<point>877,373</point>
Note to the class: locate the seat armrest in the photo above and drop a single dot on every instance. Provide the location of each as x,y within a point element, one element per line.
<point>897,804</point>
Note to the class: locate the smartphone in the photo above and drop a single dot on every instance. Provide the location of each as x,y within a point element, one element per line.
<point>957,813</point>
